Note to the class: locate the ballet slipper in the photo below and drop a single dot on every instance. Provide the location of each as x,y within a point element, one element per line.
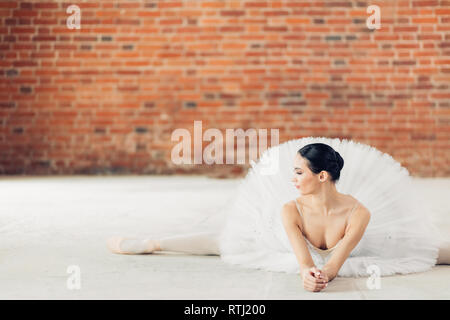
<point>122,245</point>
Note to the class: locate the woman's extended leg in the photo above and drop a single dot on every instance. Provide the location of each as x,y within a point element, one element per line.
<point>201,243</point>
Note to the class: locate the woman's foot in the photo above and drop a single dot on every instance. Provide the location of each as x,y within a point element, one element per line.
<point>132,246</point>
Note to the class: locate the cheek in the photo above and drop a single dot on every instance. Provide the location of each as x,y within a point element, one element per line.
<point>304,180</point>
<point>301,179</point>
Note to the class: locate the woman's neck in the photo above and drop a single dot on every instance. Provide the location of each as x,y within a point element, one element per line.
<point>325,199</point>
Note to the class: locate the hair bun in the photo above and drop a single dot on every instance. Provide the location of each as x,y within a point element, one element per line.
<point>339,160</point>
<point>321,157</point>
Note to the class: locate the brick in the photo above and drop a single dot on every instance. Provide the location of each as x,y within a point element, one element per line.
<point>232,13</point>
<point>425,3</point>
<point>442,11</point>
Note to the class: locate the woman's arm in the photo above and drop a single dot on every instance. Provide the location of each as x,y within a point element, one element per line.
<point>293,227</point>
<point>353,234</point>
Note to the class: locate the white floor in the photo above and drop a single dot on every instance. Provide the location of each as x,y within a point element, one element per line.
<point>48,224</point>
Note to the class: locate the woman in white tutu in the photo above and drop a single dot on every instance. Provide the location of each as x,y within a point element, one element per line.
<point>301,210</point>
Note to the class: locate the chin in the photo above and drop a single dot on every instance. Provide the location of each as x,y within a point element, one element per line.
<point>305,192</point>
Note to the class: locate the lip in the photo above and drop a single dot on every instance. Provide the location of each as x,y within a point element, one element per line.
<point>297,187</point>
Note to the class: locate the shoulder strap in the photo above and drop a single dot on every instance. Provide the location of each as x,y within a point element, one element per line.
<point>353,210</point>
<point>298,208</point>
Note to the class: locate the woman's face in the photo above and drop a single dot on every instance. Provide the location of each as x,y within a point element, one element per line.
<point>304,179</point>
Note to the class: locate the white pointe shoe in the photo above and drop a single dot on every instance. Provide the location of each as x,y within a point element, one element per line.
<point>124,245</point>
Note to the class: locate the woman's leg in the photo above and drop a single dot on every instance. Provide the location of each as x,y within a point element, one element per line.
<point>201,243</point>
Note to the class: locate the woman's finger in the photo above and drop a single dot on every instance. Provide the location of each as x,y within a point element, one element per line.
<point>313,289</point>
<point>314,270</point>
<point>311,276</point>
<point>315,280</point>
<point>319,288</point>
<point>309,285</point>
<point>322,276</point>
<point>313,284</point>
<point>310,288</point>
<point>319,284</point>
<point>315,273</point>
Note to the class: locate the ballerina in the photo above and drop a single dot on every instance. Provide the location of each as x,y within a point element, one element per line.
<point>333,221</point>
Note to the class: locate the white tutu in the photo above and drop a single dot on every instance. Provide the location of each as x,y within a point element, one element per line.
<point>400,237</point>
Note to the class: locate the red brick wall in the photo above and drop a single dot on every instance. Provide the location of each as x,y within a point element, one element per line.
<point>107,97</point>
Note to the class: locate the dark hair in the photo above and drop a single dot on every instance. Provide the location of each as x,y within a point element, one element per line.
<point>320,157</point>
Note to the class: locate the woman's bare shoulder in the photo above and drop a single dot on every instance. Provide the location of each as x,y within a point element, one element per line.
<point>359,205</point>
<point>290,205</point>
<point>290,208</point>
<point>360,210</point>
<point>352,200</point>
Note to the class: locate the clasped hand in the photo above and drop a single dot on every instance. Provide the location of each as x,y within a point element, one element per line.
<point>314,279</point>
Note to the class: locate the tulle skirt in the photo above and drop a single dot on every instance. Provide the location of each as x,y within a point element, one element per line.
<point>400,237</point>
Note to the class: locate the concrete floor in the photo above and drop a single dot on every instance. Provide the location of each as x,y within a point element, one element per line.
<point>48,224</point>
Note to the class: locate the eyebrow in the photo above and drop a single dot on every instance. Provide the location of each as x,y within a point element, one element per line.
<point>297,168</point>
